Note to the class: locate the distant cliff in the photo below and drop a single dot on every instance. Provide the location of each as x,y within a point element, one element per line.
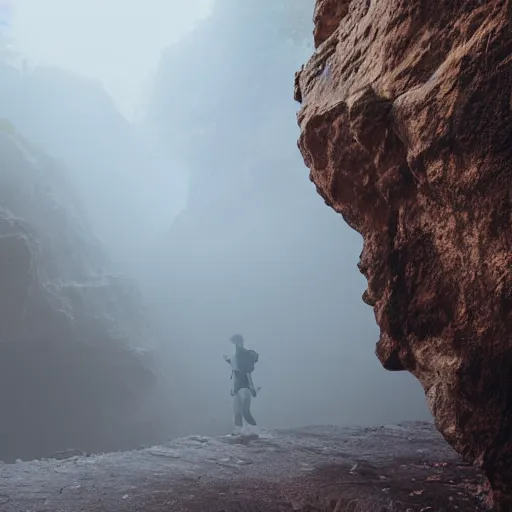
<point>70,375</point>
<point>127,193</point>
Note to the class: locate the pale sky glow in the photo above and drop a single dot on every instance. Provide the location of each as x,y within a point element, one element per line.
<point>115,41</point>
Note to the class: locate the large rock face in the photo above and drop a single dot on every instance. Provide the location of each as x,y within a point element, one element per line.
<point>406,125</point>
<point>68,377</point>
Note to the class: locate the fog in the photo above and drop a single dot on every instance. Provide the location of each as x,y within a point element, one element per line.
<point>176,124</point>
<point>115,41</point>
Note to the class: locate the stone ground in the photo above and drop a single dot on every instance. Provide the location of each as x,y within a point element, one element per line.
<point>398,468</point>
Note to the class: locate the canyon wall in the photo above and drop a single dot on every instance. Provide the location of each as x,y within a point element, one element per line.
<point>406,126</point>
<point>71,374</point>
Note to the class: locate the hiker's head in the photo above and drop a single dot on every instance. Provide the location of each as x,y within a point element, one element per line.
<point>237,340</point>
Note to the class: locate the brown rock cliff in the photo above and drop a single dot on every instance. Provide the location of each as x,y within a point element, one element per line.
<point>406,126</point>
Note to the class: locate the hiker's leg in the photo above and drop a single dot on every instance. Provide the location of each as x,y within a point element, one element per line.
<point>246,406</point>
<point>237,409</point>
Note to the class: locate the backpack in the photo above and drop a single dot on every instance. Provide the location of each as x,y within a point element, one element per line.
<point>246,359</point>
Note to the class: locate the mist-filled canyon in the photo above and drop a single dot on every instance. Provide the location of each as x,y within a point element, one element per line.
<point>147,214</point>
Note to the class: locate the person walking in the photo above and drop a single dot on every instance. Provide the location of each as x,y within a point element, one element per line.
<point>242,363</point>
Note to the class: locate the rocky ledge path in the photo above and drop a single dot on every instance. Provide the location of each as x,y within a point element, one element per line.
<point>399,468</point>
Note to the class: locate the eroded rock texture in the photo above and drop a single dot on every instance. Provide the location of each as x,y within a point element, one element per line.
<point>407,130</point>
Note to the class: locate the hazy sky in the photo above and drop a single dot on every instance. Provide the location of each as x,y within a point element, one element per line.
<point>116,41</point>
